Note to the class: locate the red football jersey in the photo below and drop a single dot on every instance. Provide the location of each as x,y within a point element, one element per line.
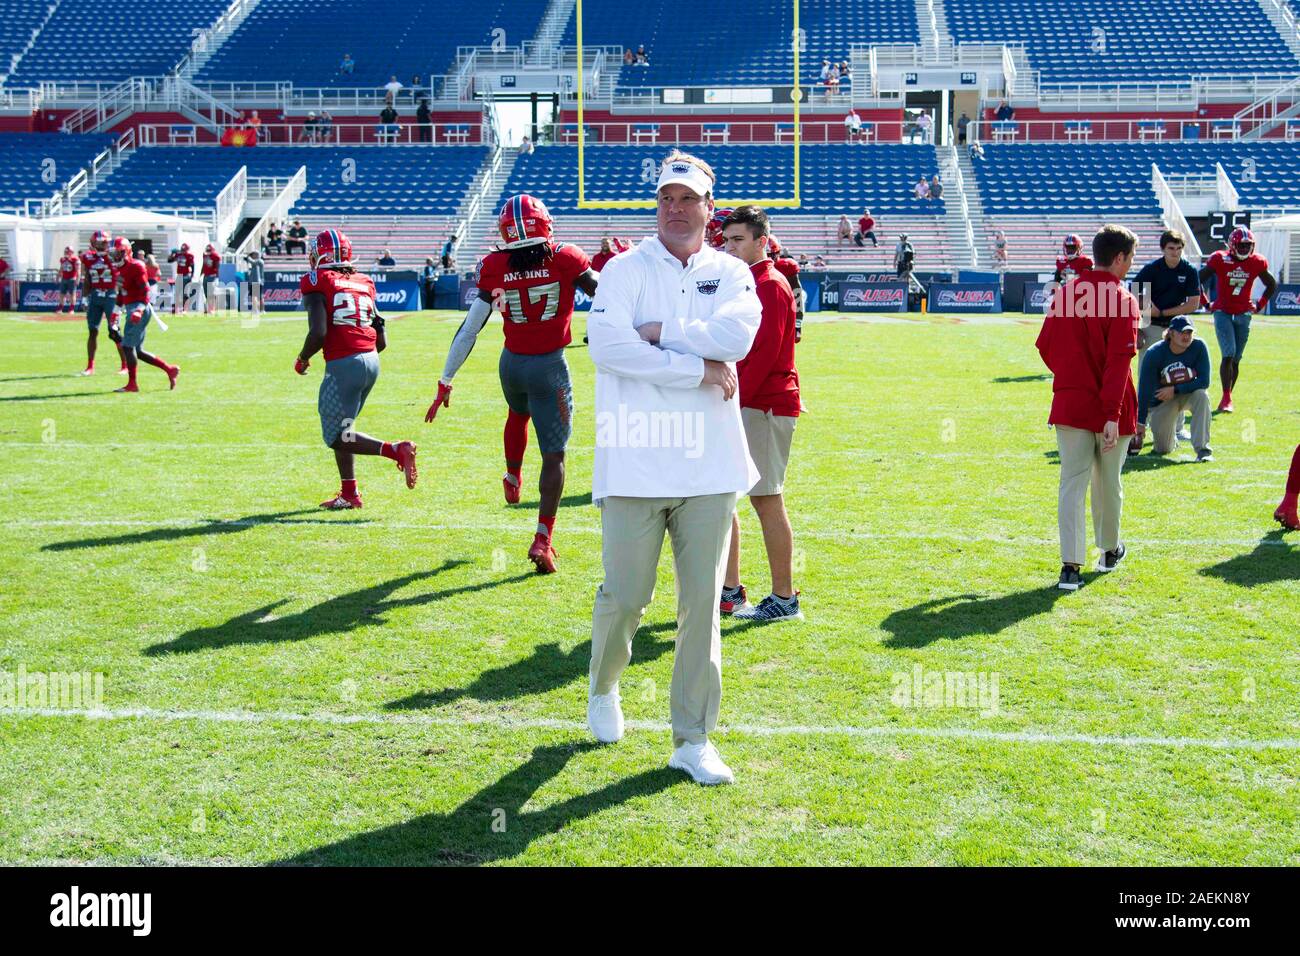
<point>154,272</point>
<point>537,305</point>
<point>788,268</point>
<point>1072,267</point>
<point>134,280</point>
<point>211,264</point>
<point>99,271</point>
<point>350,307</point>
<point>68,267</point>
<point>1234,279</point>
<point>184,263</point>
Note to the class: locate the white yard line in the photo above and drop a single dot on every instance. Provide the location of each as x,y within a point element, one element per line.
<point>755,730</point>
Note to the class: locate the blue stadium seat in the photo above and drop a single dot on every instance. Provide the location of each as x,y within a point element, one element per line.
<point>396,180</point>
<point>1085,178</point>
<point>1096,41</point>
<point>738,46</point>
<point>34,165</point>
<point>112,41</point>
<point>836,177</point>
<point>303,41</point>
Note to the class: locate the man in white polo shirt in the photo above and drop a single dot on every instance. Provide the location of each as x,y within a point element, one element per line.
<point>670,319</point>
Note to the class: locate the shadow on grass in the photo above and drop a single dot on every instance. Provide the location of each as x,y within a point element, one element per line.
<point>36,378</point>
<point>50,398</point>
<point>568,501</point>
<point>338,615</point>
<point>548,668</point>
<point>211,527</point>
<point>966,615</point>
<point>467,836</point>
<point>1015,379</point>
<point>1274,559</point>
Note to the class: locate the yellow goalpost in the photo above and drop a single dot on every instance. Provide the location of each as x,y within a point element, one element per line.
<point>796,95</point>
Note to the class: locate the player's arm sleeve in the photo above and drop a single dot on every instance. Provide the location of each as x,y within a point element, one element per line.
<point>754,368</point>
<point>587,281</point>
<point>728,334</point>
<point>617,348</point>
<point>1121,346</point>
<point>1270,286</point>
<point>466,336</point>
<point>1201,365</point>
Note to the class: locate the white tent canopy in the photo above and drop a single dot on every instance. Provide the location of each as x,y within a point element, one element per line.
<point>164,231</point>
<point>1273,238</point>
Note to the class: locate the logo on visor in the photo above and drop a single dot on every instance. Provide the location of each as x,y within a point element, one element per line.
<point>681,168</point>
<point>708,287</point>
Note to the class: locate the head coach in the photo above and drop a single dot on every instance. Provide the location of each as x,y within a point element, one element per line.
<point>1088,340</point>
<point>670,318</point>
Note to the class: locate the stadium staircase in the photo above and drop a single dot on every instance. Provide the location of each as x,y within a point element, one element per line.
<point>551,30</point>
<point>215,35</point>
<point>477,214</point>
<point>982,254</point>
<point>1284,18</point>
<point>957,219</point>
<point>11,12</point>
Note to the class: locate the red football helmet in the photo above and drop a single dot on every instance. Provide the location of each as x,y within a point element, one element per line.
<point>185,247</point>
<point>713,231</point>
<point>1241,243</point>
<point>99,241</point>
<point>524,221</point>
<point>330,248</point>
<point>774,250</point>
<point>120,250</point>
<point>67,250</point>
<point>1072,245</point>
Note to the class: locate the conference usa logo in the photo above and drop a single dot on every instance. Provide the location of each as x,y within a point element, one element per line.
<point>40,297</point>
<point>873,297</point>
<point>1287,300</point>
<point>1039,298</point>
<point>707,286</point>
<point>964,297</point>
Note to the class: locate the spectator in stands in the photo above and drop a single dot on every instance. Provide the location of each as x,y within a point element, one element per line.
<point>325,127</point>
<point>832,81</point>
<point>866,230</point>
<point>925,127</point>
<point>843,230</point>
<point>642,57</point>
<point>448,254</point>
<point>976,151</point>
<point>853,125</point>
<point>819,263</point>
<point>429,282</point>
<point>845,72</point>
<point>936,187</point>
<point>804,264</point>
<point>1005,111</point>
<point>274,239</point>
<point>391,89</point>
<point>526,146</point>
<point>253,122</point>
<point>347,66</point>
<point>904,258</point>
<point>922,189</point>
<point>629,57</point>
<point>386,131</point>
<point>1000,249</point>
<point>826,70</point>
<point>962,122</point>
<point>308,134</point>
<point>416,88</point>
<point>385,258</point>
<point>424,122</point>
<point>297,238</point>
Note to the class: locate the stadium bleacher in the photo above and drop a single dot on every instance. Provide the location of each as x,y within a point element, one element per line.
<point>18,20</point>
<point>836,177</point>
<point>307,39</point>
<point>398,180</point>
<point>111,42</point>
<point>34,165</point>
<point>1096,41</point>
<point>1059,178</point>
<point>712,53</point>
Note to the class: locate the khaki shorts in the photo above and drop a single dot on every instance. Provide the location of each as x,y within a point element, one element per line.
<point>769,438</point>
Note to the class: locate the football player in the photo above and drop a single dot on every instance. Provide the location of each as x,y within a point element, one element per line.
<point>1234,274</point>
<point>1071,262</point>
<point>1286,511</point>
<point>343,322</point>
<point>790,269</point>
<point>530,280</point>
<point>184,261</point>
<point>211,268</point>
<point>69,270</point>
<point>133,305</point>
<point>99,281</point>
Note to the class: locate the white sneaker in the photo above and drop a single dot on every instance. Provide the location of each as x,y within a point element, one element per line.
<point>605,717</point>
<point>703,763</point>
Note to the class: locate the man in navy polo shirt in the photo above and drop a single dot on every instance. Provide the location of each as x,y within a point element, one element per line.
<point>1170,286</point>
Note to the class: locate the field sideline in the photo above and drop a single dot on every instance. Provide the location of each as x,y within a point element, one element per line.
<point>395,685</point>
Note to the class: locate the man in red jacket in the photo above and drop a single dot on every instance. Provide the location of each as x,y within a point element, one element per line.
<point>769,408</point>
<point>1088,340</point>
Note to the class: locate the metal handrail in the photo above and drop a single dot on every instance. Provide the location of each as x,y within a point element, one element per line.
<point>228,208</point>
<point>1173,214</point>
<point>277,210</point>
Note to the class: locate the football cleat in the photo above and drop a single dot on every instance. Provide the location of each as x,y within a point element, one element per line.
<point>1286,515</point>
<point>173,372</point>
<point>341,502</point>
<point>129,387</point>
<point>510,485</point>
<point>1225,404</point>
<point>542,554</point>
<point>89,370</point>
<point>406,461</point>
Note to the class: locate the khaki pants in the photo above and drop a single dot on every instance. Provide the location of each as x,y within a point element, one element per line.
<point>632,538</point>
<point>1083,463</point>
<point>1165,419</point>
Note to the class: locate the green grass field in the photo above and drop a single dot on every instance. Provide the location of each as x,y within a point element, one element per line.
<point>395,686</point>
